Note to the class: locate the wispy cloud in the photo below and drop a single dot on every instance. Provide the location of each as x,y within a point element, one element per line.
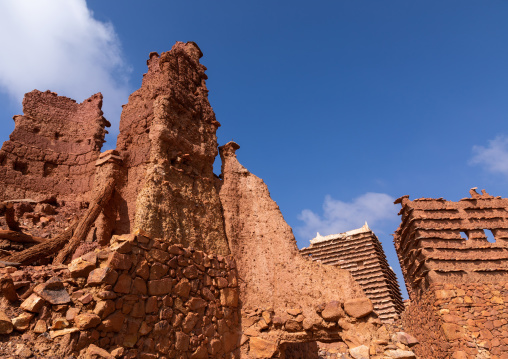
<point>339,216</point>
<point>493,157</point>
<point>58,45</point>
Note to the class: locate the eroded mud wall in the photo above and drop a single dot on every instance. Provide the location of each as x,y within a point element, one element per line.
<point>168,144</point>
<point>285,298</point>
<point>53,148</point>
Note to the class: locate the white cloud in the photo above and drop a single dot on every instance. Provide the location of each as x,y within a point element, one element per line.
<point>493,157</point>
<point>57,45</point>
<point>339,216</point>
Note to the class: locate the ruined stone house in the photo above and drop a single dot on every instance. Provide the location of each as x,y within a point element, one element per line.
<point>456,277</point>
<point>142,252</point>
<point>360,252</point>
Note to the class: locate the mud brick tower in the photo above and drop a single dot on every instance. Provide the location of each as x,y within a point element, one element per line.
<point>455,275</point>
<point>360,252</point>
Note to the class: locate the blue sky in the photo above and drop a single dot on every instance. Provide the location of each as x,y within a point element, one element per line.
<point>340,106</point>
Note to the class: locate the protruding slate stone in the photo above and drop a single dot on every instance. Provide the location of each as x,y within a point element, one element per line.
<point>406,339</point>
<point>113,323</point>
<point>183,288</point>
<point>101,276</point>
<point>119,261</point>
<point>104,308</point>
<point>123,284</point>
<point>93,351</point>
<point>359,307</point>
<point>59,323</point>
<point>40,327</point>
<point>53,291</point>
<point>58,333</point>
<point>182,341</point>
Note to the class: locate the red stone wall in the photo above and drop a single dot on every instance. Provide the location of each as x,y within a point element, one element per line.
<point>456,278</point>
<point>139,298</point>
<point>53,148</point>
<point>461,321</point>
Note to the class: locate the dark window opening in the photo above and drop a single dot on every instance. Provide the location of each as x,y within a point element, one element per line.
<point>57,135</point>
<point>20,166</point>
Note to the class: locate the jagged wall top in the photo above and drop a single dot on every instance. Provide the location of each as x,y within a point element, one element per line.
<point>445,241</point>
<point>169,144</point>
<point>53,147</point>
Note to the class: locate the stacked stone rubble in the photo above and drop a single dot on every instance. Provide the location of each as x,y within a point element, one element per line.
<point>455,276</point>
<point>138,298</point>
<point>360,252</point>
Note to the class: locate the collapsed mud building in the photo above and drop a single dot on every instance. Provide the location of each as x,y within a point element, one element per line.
<point>142,252</point>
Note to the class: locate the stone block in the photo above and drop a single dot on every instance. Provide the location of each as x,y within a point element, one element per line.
<point>102,276</point>
<point>33,303</point>
<point>87,321</point>
<point>229,297</point>
<point>80,268</point>
<point>359,307</point>
<point>333,311</point>
<point>159,287</point>
<point>261,348</point>
<point>53,291</point>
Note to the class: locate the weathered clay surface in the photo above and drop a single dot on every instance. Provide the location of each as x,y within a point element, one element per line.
<point>265,249</point>
<point>53,148</point>
<point>285,297</point>
<point>168,142</point>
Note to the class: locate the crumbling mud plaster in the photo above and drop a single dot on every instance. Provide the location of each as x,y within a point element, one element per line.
<point>360,252</point>
<point>285,297</point>
<point>168,144</point>
<point>456,278</point>
<point>53,148</point>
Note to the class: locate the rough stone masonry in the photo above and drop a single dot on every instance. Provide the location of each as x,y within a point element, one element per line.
<point>142,252</point>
